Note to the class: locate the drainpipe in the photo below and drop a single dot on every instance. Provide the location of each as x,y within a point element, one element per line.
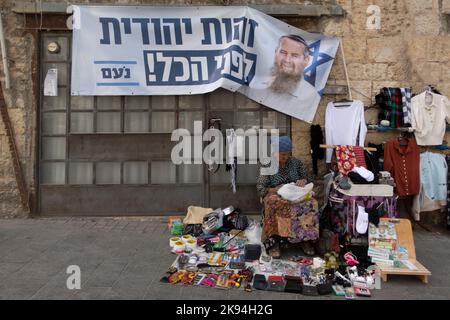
<point>4,58</point>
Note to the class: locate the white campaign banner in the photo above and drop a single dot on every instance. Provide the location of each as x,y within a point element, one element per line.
<point>127,50</point>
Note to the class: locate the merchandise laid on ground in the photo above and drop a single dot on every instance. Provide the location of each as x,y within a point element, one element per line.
<point>224,257</point>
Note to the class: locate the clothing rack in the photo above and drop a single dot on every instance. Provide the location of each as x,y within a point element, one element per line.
<point>327,146</point>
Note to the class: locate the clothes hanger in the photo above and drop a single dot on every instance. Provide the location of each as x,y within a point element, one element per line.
<point>403,139</point>
<point>343,103</point>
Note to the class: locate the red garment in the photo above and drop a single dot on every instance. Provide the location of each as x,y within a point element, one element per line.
<point>360,159</point>
<point>403,162</point>
<point>346,159</point>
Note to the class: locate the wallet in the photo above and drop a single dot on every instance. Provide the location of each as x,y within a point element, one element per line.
<point>276,283</point>
<point>259,282</point>
<point>293,285</point>
<point>309,290</point>
<point>252,252</point>
<point>325,288</point>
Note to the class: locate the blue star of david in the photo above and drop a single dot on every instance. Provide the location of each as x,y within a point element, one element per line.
<point>318,58</point>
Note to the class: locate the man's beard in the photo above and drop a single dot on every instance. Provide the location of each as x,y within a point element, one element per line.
<point>283,82</point>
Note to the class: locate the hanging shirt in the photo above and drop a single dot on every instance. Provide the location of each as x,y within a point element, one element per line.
<point>406,101</point>
<point>403,164</point>
<point>428,121</point>
<point>390,101</point>
<point>433,175</point>
<point>344,126</point>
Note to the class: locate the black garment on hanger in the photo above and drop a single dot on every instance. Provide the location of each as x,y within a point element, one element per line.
<point>316,151</point>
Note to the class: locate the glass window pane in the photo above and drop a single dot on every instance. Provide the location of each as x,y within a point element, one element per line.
<point>227,119</point>
<point>82,122</point>
<point>81,173</point>
<point>191,173</point>
<point>163,102</point>
<point>59,55</point>
<point>62,72</point>
<point>107,173</point>
<point>136,122</point>
<point>135,172</point>
<point>81,103</point>
<point>53,173</point>
<point>108,102</point>
<point>108,122</point>
<point>242,102</point>
<point>191,101</point>
<point>269,119</point>
<point>53,148</point>
<point>58,102</point>
<point>137,102</point>
<point>186,120</point>
<point>283,123</point>
<point>54,123</point>
<point>247,173</point>
<point>247,119</point>
<point>221,99</point>
<point>221,176</point>
<point>163,121</point>
<point>163,172</point>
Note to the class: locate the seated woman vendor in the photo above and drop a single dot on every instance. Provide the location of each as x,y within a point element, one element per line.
<point>283,221</point>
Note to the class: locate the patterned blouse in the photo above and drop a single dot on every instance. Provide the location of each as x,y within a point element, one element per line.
<point>293,171</point>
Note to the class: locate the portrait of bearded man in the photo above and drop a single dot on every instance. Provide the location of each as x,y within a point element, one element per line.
<point>291,59</point>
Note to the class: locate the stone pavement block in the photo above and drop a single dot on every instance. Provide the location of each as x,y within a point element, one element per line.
<point>23,254</point>
<point>17,293</point>
<point>131,287</point>
<point>8,268</point>
<point>163,291</point>
<point>23,283</point>
<point>240,295</point>
<point>201,293</point>
<point>106,274</point>
<point>92,293</point>
<point>55,289</point>
<point>39,270</point>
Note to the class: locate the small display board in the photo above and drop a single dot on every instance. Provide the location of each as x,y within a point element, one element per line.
<point>405,238</point>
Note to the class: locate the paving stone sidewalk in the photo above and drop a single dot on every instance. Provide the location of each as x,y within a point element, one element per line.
<point>124,258</point>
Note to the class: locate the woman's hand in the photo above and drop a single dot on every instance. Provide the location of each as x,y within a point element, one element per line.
<point>301,183</point>
<point>273,190</point>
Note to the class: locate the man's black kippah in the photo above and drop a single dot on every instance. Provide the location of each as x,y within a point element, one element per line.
<point>297,38</point>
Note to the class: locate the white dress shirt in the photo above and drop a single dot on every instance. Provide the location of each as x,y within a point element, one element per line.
<point>429,121</point>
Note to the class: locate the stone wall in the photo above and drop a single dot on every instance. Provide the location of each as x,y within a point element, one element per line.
<point>412,48</point>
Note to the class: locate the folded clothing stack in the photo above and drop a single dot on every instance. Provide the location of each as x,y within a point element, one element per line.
<point>360,175</point>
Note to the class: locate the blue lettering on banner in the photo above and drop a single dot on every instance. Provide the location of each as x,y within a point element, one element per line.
<point>170,31</point>
<point>171,67</point>
<point>120,73</point>
<point>161,31</point>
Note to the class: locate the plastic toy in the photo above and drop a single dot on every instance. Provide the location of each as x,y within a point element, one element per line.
<point>331,261</point>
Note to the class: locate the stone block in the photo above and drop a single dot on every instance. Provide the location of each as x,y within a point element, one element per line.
<point>428,23</point>
<point>398,71</point>
<point>362,90</point>
<point>386,49</point>
<point>428,72</point>
<point>419,6</point>
<point>446,72</point>
<point>438,49</point>
<point>446,6</point>
<point>355,49</point>
<point>417,48</point>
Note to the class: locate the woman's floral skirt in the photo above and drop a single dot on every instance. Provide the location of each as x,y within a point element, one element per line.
<point>296,222</point>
